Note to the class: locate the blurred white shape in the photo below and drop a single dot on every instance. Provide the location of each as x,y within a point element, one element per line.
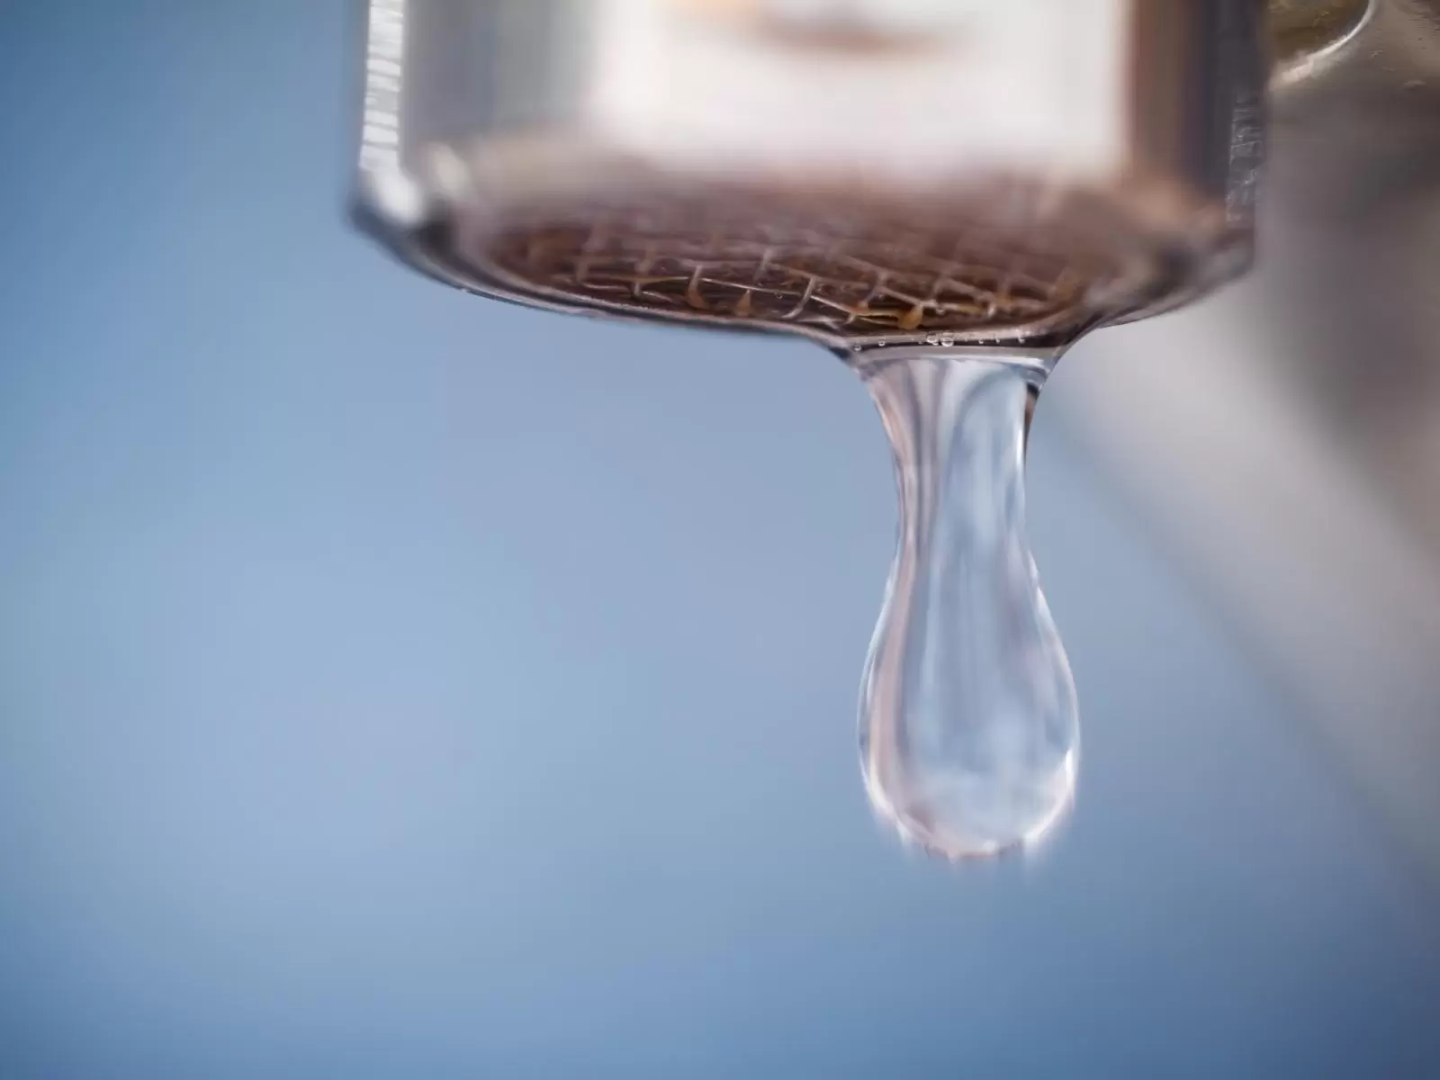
<point>1039,84</point>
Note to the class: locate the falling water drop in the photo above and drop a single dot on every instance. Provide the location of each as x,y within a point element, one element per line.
<point>969,731</point>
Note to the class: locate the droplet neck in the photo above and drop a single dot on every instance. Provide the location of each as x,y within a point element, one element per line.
<point>969,726</point>
<point>1035,362</point>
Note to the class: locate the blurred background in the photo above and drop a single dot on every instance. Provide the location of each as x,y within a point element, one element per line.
<point>394,684</point>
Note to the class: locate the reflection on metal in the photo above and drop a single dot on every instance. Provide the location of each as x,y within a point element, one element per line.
<point>1306,34</point>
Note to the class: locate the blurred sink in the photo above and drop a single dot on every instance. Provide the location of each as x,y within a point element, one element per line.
<point>1285,436</point>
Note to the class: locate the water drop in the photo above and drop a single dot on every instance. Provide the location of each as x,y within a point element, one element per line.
<point>969,730</point>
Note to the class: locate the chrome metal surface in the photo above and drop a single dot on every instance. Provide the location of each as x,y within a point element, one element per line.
<point>867,174</point>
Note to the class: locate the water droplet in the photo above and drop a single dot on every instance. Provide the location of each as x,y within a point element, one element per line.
<point>969,730</point>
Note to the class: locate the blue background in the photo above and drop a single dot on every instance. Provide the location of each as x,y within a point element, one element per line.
<point>398,685</point>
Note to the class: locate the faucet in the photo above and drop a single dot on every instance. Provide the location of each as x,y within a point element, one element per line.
<point>862,172</point>
<point>877,174</point>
